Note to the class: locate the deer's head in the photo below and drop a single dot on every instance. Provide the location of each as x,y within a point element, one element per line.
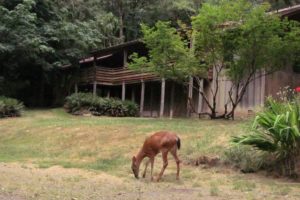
<point>135,167</point>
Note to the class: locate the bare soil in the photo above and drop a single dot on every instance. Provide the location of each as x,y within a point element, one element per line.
<point>22,182</point>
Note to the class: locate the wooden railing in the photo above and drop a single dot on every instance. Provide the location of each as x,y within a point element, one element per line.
<point>114,76</point>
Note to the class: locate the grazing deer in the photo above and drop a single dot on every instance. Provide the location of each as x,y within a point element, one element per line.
<point>163,142</point>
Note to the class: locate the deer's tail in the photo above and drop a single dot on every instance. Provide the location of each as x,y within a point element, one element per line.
<point>178,143</point>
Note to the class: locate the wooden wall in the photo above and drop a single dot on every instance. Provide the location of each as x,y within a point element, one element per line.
<point>254,95</point>
<point>257,90</point>
<point>280,79</point>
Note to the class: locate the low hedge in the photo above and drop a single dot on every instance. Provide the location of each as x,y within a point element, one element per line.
<point>80,103</point>
<point>10,107</point>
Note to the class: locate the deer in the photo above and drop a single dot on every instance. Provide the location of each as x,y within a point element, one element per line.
<point>163,142</point>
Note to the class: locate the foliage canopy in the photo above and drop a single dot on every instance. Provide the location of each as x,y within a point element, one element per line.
<point>169,55</point>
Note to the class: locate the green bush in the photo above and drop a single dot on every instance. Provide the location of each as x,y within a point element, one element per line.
<point>247,159</point>
<point>276,131</point>
<point>10,107</point>
<point>86,102</point>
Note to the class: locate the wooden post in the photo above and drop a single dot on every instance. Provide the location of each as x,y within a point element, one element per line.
<point>172,101</point>
<point>263,88</point>
<point>151,101</point>
<point>95,88</point>
<point>125,58</point>
<point>257,87</point>
<point>95,78</point>
<point>200,98</point>
<point>142,98</point>
<point>133,95</point>
<point>162,97</point>
<point>191,80</point>
<point>76,88</point>
<point>108,93</point>
<point>123,91</point>
<point>251,95</point>
<point>190,96</point>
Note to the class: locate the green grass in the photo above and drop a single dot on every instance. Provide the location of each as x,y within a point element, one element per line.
<point>214,189</point>
<point>53,137</point>
<point>243,185</point>
<point>103,148</point>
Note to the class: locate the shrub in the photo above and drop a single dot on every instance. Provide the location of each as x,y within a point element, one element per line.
<point>10,107</point>
<point>276,131</point>
<point>286,94</point>
<point>247,159</point>
<point>86,102</point>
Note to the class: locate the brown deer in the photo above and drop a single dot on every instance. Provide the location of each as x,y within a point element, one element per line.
<point>163,142</point>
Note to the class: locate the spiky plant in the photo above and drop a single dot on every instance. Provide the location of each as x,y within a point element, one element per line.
<point>276,130</point>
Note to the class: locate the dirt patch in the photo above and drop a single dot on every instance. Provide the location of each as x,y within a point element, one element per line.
<point>10,197</point>
<point>205,161</point>
<point>22,182</point>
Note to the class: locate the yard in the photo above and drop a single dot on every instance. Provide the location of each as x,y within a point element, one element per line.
<point>48,154</point>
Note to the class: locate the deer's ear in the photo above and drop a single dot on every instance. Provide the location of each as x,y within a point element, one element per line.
<point>133,158</point>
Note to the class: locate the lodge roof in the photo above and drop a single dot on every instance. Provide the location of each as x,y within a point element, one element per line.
<point>117,47</point>
<point>289,11</point>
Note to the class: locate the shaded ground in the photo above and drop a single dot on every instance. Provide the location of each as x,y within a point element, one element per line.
<point>52,155</point>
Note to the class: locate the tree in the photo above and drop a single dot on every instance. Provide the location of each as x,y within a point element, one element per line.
<point>241,40</point>
<point>38,37</point>
<point>169,55</point>
<point>214,41</point>
<point>264,45</point>
<point>132,13</point>
<point>129,14</point>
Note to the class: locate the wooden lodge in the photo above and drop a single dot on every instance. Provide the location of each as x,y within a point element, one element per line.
<point>106,74</point>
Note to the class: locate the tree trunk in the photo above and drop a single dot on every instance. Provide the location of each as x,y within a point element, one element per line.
<point>121,20</point>
<point>190,96</point>
<point>239,95</point>
<point>42,91</point>
<point>123,91</point>
<point>172,101</point>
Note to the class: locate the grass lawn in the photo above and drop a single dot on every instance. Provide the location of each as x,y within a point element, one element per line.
<point>48,154</point>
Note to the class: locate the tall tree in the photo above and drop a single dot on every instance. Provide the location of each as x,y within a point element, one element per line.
<point>242,40</point>
<point>132,13</point>
<point>213,44</point>
<point>37,37</point>
<point>169,55</point>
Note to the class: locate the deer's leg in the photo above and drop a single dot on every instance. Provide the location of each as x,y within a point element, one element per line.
<point>147,163</point>
<point>174,153</point>
<point>165,161</point>
<point>152,163</point>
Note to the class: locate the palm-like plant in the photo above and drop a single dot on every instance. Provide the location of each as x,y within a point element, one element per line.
<point>276,130</point>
